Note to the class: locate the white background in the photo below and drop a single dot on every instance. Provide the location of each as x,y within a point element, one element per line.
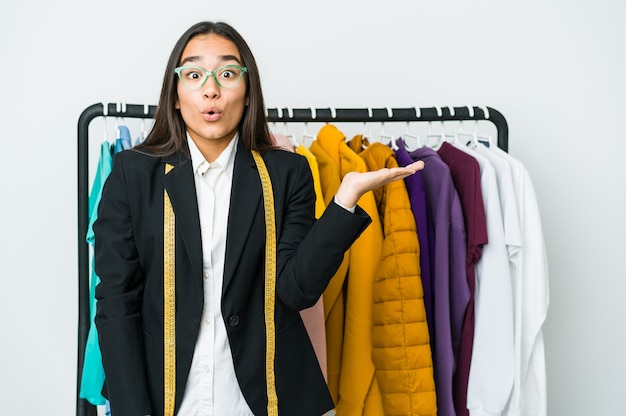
<point>555,70</point>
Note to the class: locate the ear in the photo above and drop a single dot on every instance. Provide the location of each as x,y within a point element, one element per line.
<point>177,105</point>
<point>247,101</point>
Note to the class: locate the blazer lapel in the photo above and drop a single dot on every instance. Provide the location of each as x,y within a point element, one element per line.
<point>246,195</point>
<point>180,186</point>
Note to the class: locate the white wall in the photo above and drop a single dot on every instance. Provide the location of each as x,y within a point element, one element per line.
<point>555,69</point>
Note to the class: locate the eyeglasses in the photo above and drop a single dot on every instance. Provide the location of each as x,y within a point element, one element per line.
<point>194,77</point>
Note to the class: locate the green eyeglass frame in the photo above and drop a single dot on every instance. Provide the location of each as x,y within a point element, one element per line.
<point>195,84</point>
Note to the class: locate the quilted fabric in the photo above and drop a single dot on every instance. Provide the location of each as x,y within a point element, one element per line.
<point>401,351</point>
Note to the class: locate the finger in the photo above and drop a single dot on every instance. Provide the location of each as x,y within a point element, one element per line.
<point>415,166</point>
<point>408,170</point>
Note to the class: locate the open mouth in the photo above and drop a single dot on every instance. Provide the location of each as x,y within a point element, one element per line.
<point>211,115</point>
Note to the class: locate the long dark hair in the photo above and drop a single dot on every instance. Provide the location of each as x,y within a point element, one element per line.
<point>168,134</point>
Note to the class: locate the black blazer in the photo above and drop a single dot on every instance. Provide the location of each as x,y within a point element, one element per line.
<point>129,262</point>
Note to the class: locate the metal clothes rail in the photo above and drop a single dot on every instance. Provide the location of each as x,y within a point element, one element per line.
<point>284,115</point>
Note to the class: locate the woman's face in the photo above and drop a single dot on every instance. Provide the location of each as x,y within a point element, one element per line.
<point>211,113</point>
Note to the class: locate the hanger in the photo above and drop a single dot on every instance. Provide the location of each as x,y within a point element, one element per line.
<point>408,134</point>
<point>285,139</point>
<point>290,136</point>
<point>118,124</point>
<point>365,135</point>
<point>333,114</point>
<point>441,136</point>
<point>305,133</point>
<point>142,132</point>
<point>105,114</point>
<point>485,139</point>
<point>388,137</point>
<point>474,137</point>
<point>414,138</point>
<point>280,115</point>
<point>120,107</point>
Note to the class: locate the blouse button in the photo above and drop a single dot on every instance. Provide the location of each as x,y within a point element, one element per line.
<point>233,320</point>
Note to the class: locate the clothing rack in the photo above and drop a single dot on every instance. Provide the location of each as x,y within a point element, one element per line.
<point>284,115</point>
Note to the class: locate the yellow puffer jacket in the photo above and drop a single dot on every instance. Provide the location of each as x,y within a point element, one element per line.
<point>401,349</point>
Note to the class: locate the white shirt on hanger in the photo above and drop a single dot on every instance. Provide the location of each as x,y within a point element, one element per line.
<point>508,203</point>
<point>212,387</point>
<point>532,298</point>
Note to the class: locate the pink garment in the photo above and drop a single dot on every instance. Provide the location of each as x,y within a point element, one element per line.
<point>283,141</point>
<point>313,319</point>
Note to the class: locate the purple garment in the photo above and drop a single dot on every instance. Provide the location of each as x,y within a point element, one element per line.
<point>425,233</point>
<point>450,287</point>
<point>465,172</point>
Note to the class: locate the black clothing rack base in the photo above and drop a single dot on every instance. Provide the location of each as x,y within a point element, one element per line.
<point>284,115</point>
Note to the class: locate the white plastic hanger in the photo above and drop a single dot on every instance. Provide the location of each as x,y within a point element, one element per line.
<point>441,136</point>
<point>473,138</point>
<point>280,115</point>
<point>142,132</point>
<point>120,121</point>
<point>384,137</point>
<point>305,134</point>
<point>367,135</point>
<point>333,114</point>
<point>408,135</point>
<point>290,136</point>
<point>485,139</point>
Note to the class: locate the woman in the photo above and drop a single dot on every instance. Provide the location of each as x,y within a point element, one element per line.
<point>198,160</point>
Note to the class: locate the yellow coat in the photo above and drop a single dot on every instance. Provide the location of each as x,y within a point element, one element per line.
<point>314,318</point>
<point>401,346</point>
<point>334,307</point>
<point>320,204</point>
<point>351,377</point>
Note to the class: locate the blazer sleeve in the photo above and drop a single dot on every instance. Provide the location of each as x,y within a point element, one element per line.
<point>309,255</point>
<point>118,312</point>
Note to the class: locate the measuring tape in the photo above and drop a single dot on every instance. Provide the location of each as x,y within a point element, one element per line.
<point>169,298</point>
<point>270,284</point>
<point>169,301</point>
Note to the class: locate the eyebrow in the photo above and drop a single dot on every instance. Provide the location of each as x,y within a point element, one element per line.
<point>222,58</point>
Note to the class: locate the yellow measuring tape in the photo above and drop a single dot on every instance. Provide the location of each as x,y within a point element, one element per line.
<point>169,319</point>
<point>169,301</point>
<point>270,284</point>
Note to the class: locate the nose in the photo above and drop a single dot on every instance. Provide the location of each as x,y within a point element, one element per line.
<point>210,89</point>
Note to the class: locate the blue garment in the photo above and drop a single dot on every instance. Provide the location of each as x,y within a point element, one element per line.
<point>92,379</point>
<point>140,139</point>
<point>124,141</point>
